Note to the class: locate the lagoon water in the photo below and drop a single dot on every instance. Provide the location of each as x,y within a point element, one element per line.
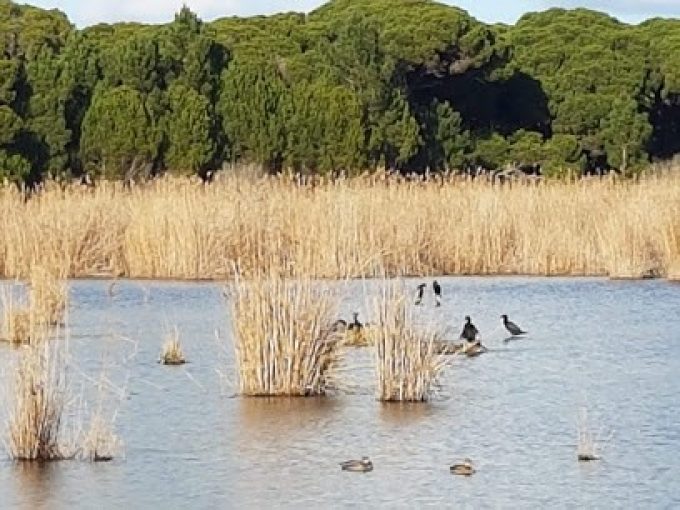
<point>611,347</point>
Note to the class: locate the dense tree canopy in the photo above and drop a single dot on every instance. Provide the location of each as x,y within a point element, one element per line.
<point>407,84</point>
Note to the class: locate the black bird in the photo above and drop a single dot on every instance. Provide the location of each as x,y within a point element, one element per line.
<point>421,289</point>
<point>355,324</point>
<point>437,292</point>
<point>339,325</point>
<point>513,328</point>
<point>470,332</point>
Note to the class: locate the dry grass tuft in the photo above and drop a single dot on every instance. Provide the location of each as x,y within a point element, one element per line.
<point>408,362</point>
<point>17,324</point>
<point>47,301</point>
<point>283,340</point>
<point>362,227</point>
<point>586,446</point>
<point>47,295</point>
<point>171,353</point>
<point>101,443</point>
<point>40,394</point>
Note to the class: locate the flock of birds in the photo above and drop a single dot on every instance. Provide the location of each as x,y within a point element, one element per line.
<point>472,346</point>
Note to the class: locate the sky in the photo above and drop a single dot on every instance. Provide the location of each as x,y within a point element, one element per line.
<point>88,12</point>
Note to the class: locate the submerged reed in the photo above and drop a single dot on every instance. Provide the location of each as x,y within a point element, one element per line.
<point>101,443</point>
<point>40,394</point>
<point>47,294</point>
<point>171,352</point>
<point>283,340</point>
<point>408,363</point>
<point>44,307</point>
<point>586,445</point>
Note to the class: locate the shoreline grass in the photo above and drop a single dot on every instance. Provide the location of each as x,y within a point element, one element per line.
<point>369,226</point>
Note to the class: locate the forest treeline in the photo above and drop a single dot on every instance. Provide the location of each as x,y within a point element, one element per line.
<point>353,85</point>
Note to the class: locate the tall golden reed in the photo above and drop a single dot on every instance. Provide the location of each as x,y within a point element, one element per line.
<point>367,226</point>
<point>39,394</point>
<point>45,306</point>
<point>407,361</point>
<point>283,341</point>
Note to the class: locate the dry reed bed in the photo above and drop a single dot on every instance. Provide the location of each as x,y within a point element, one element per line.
<point>361,227</point>
<point>408,365</point>
<point>283,341</point>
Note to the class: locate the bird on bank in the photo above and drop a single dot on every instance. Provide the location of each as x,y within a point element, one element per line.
<point>464,469</point>
<point>355,324</point>
<point>421,290</point>
<point>437,292</point>
<point>363,466</point>
<point>469,332</point>
<point>513,328</point>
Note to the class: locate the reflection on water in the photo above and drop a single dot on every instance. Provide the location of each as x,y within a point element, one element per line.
<point>613,346</point>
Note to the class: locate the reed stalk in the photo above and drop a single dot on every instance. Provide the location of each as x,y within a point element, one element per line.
<point>39,395</point>
<point>408,364</point>
<point>284,344</point>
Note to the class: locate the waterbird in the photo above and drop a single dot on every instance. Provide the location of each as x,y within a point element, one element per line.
<point>437,292</point>
<point>469,332</point>
<point>421,289</point>
<point>355,324</point>
<point>339,325</point>
<point>464,469</point>
<point>364,465</point>
<point>513,328</point>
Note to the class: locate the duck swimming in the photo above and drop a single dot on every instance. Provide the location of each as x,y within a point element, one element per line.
<point>362,466</point>
<point>513,328</point>
<point>421,289</point>
<point>469,332</point>
<point>464,469</point>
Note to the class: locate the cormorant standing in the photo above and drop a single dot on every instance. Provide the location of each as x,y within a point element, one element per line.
<point>437,292</point>
<point>513,328</point>
<point>421,289</point>
<point>470,332</point>
<point>355,324</point>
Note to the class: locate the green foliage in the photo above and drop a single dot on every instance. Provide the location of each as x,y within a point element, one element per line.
<point>355,84</point>
<point>13,168</point>
<point>187,128</point>
<point>10,124</point>
<point>116,132</point>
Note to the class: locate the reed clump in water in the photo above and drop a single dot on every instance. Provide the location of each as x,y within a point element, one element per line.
<point>408,364</point>
<point>39,395</point>
<point>586,445</point>
<point>17,324</point>
<point>47,295</point>
<point>283,340</point>
<point>101,443</point>
<point>46,306</point>
<point>171,352</point>
<point>362,227</point>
